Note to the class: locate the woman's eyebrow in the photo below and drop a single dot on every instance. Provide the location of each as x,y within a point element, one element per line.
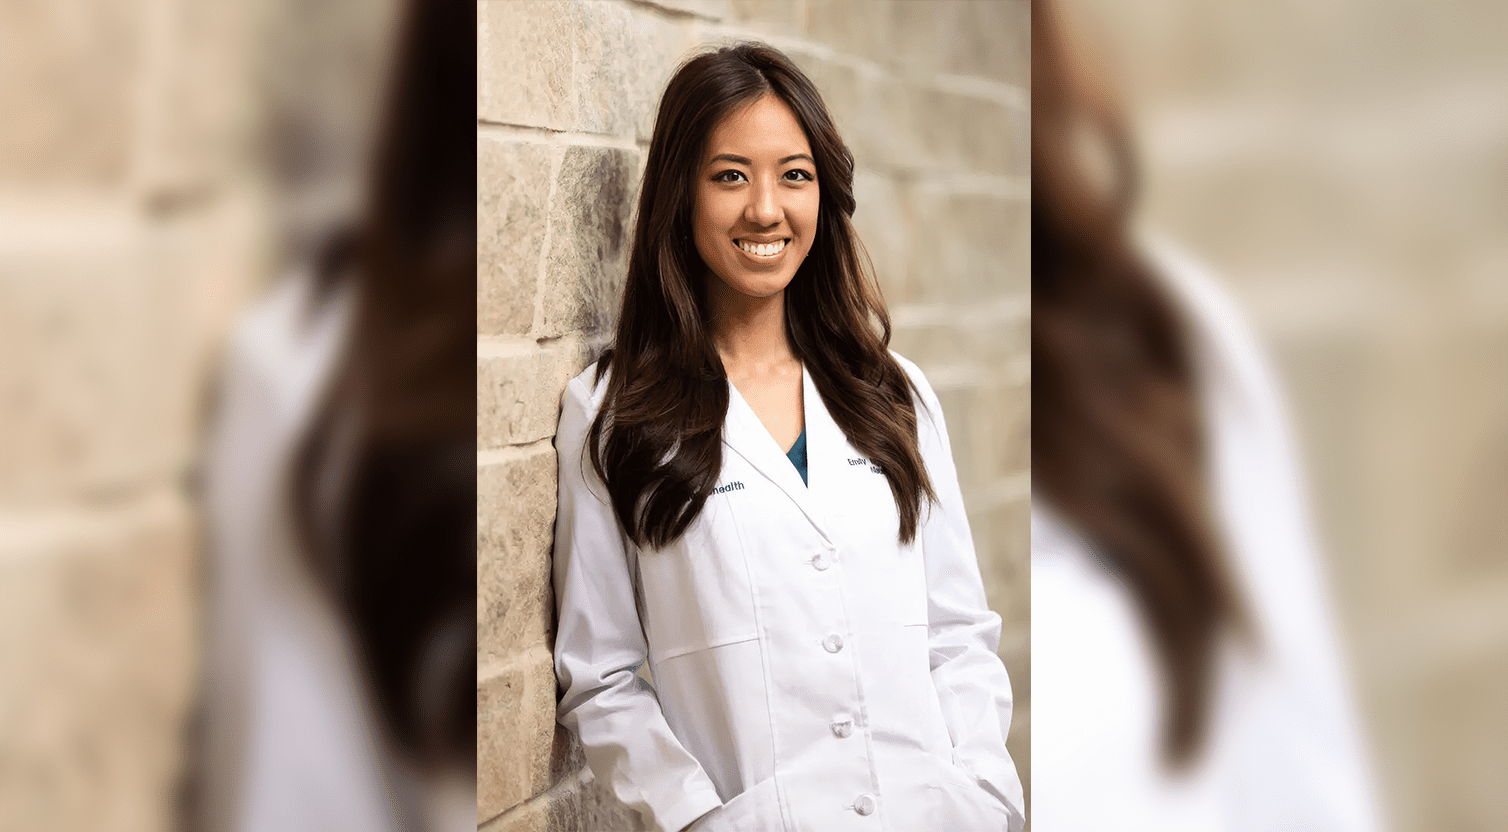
<point>744,160</point>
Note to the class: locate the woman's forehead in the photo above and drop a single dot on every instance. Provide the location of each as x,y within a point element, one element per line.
<point>763,130</point>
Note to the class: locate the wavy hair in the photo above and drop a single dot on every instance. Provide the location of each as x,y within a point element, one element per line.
<point>383,489</point>
<point>1117,436</point>
<point>657,440</point>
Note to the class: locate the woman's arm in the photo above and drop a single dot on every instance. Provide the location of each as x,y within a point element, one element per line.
<point>599,645</point>
<point>963,633</point>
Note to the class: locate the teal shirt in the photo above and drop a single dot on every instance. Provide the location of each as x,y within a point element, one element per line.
<point>797,455</point>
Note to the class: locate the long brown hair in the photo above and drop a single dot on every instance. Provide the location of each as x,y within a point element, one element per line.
<point>657,440</point>
<point>393,542</point>
<point>1117,435</point>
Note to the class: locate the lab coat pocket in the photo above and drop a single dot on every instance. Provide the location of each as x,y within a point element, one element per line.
<point>696,591</point>
<point>755,810</point>
<point>964,805</point>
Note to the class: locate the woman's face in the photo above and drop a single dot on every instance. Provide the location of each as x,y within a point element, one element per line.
<point>756,199</point>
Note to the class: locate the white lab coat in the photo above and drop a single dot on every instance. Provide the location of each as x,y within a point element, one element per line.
<point>288,712</point>
<point>1283,748</point>
<point>810,673</point>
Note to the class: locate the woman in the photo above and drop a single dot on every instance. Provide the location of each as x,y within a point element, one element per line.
<point>1185,671</point>
<point>759,499</point>
<point>339,679</point>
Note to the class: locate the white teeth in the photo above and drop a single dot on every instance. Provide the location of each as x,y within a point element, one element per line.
<point>762,249</point>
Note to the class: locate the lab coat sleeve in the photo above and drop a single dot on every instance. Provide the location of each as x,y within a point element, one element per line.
<point>600,643</point>
<point>963,634</point>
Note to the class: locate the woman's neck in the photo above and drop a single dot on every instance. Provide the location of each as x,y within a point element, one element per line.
<point>749,333</point>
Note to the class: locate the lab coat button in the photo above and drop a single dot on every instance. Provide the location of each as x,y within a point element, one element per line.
<point>842,725</point>
<point>864,805</point>
<point>833,643</point>
<point>821,561</point>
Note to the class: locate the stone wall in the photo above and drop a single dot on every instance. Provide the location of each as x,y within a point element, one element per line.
<point>128,231</point>
<point>933,100</point>
<point>1342,166</point>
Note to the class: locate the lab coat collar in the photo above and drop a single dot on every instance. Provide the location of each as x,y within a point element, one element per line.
<point>747,436</point>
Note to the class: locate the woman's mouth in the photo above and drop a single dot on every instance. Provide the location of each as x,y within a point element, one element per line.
<point>762,249</point>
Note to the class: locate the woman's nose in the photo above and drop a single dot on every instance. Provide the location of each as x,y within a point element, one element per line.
<point>764,205</point>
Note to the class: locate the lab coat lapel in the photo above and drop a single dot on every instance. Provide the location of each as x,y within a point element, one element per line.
<point>746,435</point>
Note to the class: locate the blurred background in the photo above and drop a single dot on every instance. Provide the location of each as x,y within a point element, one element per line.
<point>1343,167</point>
<point>160,162</point>
<point>932,98</point>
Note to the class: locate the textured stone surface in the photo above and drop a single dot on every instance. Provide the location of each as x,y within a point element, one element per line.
<point>513,197</point>
<point>515,706</point>
<point>857,105</point>
<point>883,229</point>
<point>525,63</point>
<point>515,528</point>
<point>89,58</point>
<point>518,392</point>
<point>1008,443</point>
<point>593,806</point>
<point>991,40</point>
<point>97,629</point>
<point>990,334</point>
<point>84,292</point>
<point>968,247</point>
<point>1007,573</point>
<point>862,30</point>
<point>590,228</point>
<point>623,60</point>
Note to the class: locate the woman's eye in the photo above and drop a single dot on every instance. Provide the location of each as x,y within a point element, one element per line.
<point>798,175</point>
<point>728,176</point>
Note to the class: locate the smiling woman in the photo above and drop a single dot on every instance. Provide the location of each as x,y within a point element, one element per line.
<point>759,499</point>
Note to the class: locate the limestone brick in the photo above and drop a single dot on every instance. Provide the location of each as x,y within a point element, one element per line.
<point>862,30</point>
<point>89,59</point>
<point>593,806</point>
<point>623,60</point>
<point>1004,531</point>
<point>857,105</point>
<point>1006,410</point>
<point>591,218</point>
<point>518,391</point>
<point>968,247</point>
<point>515,730</point>
<point>992,335</point>
<point>513,196</point>
<point>82,307</point>
<point>990,39</point>
<point>883,229</point>
<point>963,133</point>
<point>515,529</point>
<point>97,619</point>
<point>778,16</point>
<point>525,61</point>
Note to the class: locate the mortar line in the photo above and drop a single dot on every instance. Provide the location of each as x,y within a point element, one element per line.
<point>678,15</point>
<point>498,668</point>
<point>511,453</point>
<point>970,86</point>
<point>561,788</point>
<point>508,131</point>
<point>513,346</point>
<point>536,324</point>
